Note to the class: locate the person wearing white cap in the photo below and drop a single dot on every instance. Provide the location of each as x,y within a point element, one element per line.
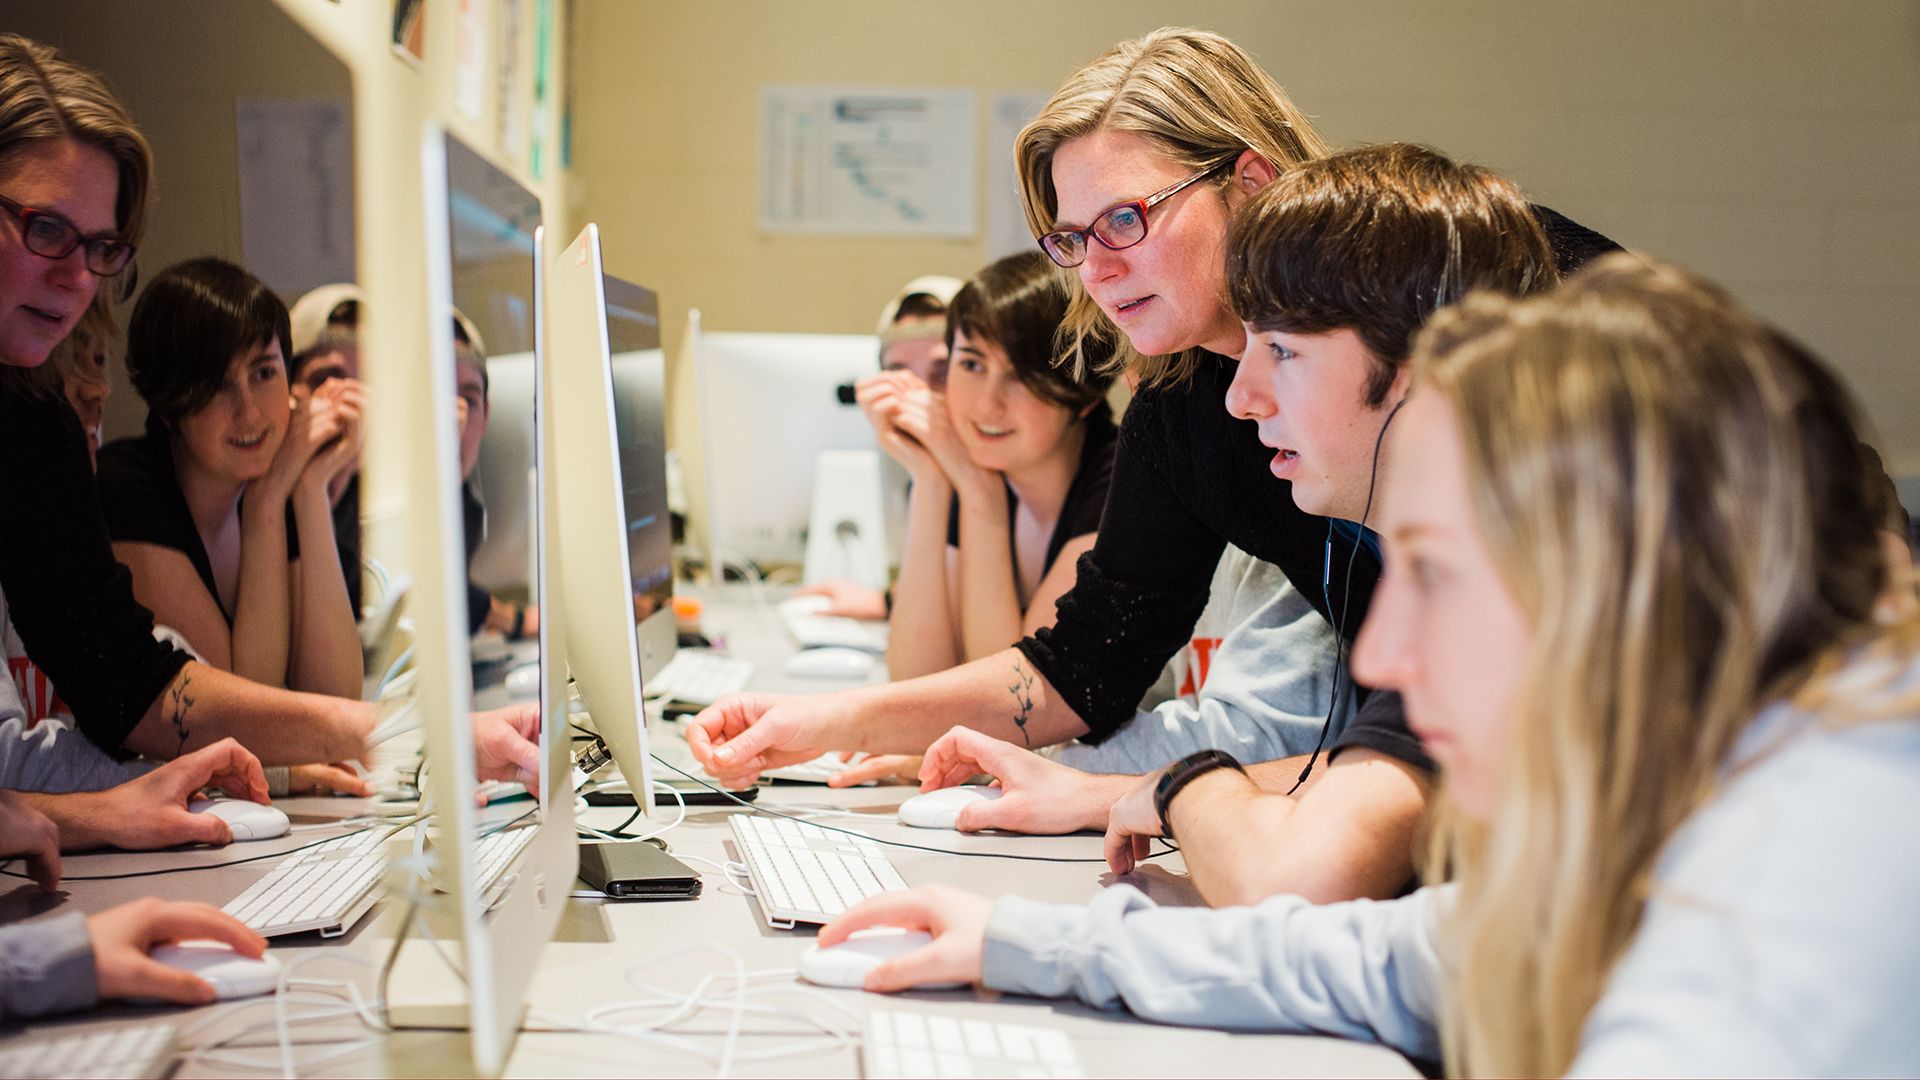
<point>913,328</point>
<point>913,339</point>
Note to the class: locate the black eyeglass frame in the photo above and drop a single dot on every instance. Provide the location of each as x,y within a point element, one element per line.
<point>1056,243</point>
<point>106,257</point>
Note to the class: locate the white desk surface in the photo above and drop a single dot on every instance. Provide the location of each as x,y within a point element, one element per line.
<point>598,942</point>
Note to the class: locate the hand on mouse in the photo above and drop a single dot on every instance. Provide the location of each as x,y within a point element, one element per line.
<point>1043,798</point>
<point>957,920</point>
<point>123,936</point>
<point>848,598</point>
<point>151,811</point>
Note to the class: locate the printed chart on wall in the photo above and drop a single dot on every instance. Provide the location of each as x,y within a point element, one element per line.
<point>867,161</point>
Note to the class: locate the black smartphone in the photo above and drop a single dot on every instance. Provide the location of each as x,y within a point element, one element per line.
<point>637,871</point>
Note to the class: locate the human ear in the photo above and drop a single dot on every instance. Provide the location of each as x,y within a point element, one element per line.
<point>1252,171</point>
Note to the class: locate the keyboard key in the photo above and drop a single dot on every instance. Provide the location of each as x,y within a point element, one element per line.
<point>899,1043</point>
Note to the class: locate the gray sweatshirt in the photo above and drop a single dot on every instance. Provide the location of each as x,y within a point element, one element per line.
<point>46,966</point>
<point>1779,937</point>
<point>1254,681</point>
<point>50,755</point>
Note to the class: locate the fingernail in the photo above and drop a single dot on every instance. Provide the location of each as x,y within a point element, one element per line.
<point>725,753</point>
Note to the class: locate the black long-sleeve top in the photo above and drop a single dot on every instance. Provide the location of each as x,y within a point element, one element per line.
<point>71,601</point>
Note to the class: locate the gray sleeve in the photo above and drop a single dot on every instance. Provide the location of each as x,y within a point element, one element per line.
<point>1358,970</point>
<point>1779,937</point>
<point>1267,681</point>
<point>46,967</point>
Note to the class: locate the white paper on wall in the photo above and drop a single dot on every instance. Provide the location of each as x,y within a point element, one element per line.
<point>868,161</point>
<point>1007,232</point>
<point>296,191</point>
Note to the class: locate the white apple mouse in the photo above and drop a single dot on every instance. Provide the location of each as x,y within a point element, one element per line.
<point>523,682</point>
<point>846,965</point>
<point>830,662</point>
<point>941,809</point>
<point>231,974</point>
<point>248,820</point>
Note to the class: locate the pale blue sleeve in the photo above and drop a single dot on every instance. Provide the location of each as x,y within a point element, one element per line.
<point>1359,970</point>
<point>1781,935</point>
<point>46,967</point>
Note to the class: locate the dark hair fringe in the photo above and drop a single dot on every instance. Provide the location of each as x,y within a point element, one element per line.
<point>1376,239</point>
<point>1018,303</point>
<point>187,327</point>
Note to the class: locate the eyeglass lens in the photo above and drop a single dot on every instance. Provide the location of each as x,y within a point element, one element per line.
<point>49,237</point>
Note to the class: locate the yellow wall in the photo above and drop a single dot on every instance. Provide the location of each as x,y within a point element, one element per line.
<point>1775,146</point>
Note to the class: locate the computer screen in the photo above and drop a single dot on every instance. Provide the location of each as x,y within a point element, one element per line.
<point>484,251</point>
<point>502,562</point>
<point>638,373</point>
<point>769,404</point>
<point>595,562</point>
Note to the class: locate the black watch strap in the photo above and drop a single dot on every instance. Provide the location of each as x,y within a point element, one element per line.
<point>1184,772</point>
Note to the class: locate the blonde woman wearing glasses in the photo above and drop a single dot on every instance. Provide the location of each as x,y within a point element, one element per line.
<point>1635,567</point>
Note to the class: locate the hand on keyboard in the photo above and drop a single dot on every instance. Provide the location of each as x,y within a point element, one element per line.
<point>122,937</point>
<point>876,767</point>
<point>957,919</point>
<point>741,736</point>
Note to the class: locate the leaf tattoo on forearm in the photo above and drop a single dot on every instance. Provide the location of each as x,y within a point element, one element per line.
<point>177,705</point>
<point>1022,691</point>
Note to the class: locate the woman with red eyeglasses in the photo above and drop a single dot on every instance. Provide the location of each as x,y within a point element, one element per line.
<point>74,175</point>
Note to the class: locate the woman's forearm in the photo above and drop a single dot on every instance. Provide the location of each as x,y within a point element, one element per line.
<point>920,630</point>
<point>326,640</point>
<point>262,610</point>
<point>990,615</point>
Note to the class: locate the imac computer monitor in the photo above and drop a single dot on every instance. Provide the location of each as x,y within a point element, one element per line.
<point>637,376</point>
<point>770,404</point>
<point>610,481</point>
<point>484,257</point>
<point>502,562</point>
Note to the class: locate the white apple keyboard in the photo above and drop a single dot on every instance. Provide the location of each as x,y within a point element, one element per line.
<point>700,677</point>
<point>326,887</point>
<point>804,873</point>
<point>914,1044</point>
<point>135,1050</point>
<point>818,771</point>
<point>811,629</point>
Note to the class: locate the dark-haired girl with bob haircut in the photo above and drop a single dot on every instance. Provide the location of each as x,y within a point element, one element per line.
<point>1010,467</point>
<point>199,506</point>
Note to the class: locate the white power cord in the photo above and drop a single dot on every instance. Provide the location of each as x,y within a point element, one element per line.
<point>683,1005</point>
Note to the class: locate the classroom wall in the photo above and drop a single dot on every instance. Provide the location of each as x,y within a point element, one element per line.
<point>179,69</point>
<point>1772,145</point>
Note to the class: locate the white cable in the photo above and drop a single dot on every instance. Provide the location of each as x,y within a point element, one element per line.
<point>756,585</point>
<point>684,1005</point>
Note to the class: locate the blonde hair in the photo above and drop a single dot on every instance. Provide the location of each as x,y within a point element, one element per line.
<point>1672,490</point>
<point>44,95</point>
<point>1197,97</point>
